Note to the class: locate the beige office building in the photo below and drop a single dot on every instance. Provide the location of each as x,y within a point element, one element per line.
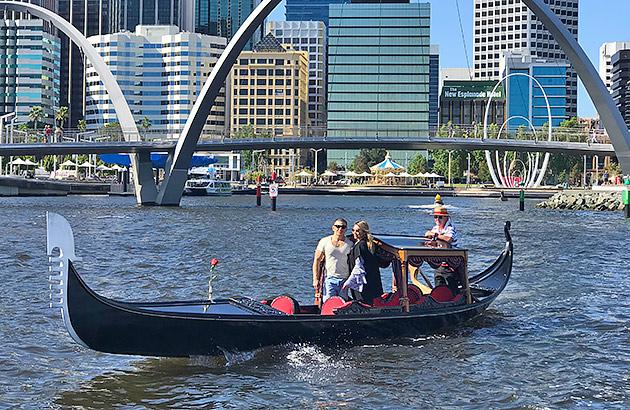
<point>269,94</point>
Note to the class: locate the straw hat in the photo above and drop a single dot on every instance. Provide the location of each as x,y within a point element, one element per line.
<point>440,211</point>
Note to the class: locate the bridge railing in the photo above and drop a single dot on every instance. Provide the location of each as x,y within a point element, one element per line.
<point>252,133</point>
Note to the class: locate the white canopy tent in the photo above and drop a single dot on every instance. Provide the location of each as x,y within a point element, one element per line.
<point>68,163</point>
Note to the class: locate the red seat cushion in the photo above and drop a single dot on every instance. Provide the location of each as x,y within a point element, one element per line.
<point>387,299</point>
<point>334,302</point>
<point>442,294</point>
<point>414,294</point>
<point>286,304</point>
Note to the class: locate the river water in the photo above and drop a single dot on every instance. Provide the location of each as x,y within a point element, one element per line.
<point>557,338</point>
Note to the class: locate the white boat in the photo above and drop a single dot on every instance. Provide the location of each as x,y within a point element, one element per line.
<point>205,186</point>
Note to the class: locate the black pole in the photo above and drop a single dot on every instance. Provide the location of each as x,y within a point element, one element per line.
<point>273,198</point>
<point>258,199</point>
<point>521,200</point>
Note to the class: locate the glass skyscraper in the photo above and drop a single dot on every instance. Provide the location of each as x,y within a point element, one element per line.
<point>224,17</point>
<point>525,97</point>
<point>378,69</point>
<point>309,10</point>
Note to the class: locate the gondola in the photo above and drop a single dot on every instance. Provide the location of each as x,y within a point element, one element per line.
<point>203,327</point>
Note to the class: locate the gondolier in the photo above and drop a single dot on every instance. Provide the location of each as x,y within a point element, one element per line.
<point>444,234</point>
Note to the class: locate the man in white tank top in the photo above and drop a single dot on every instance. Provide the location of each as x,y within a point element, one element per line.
<point>333,250</point>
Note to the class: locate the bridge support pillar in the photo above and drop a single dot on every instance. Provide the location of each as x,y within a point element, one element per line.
<point>146,191</point>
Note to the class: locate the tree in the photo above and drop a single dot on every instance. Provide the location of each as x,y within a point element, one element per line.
<point>145,124</point>
<point>367,158</point>
<point>61,116</point>
<point>440,163</point>
<point>333,166</point>
<point>81,125</point>
<point>36,115</point>
<point>417,164</point>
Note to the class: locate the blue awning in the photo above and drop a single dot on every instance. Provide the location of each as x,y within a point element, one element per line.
<point>157,160</point>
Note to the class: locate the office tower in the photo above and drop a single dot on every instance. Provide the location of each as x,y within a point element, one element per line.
<point>378,69</point>
<point>269,90</point>
<point>309,10</point>
<point>160,71</point>
<point>508,25</point>
<point>434,86</point>
<point>309,36</point>
<point>378,72</point>
<point>29,70</point>
<point>525,99</point>
<point>606,51</point>
<point>90,17</point>
<point>224,17</point>
<point>620,82</point>
<point>127,14</point>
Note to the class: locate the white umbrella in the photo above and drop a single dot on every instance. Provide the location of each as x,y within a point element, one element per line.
<point>351,174</point>
<point>18,161</point>
<point>434,175</point>
<point>405,175</point>
<point>103,168</point>
<point>86,165</point>
<point>364,174</point>
<point>328,174</point>
<point>68,163</point>
<point>303,173</point>
<point>391,174</point>
<point>420,175</point>
<point>117,167</point>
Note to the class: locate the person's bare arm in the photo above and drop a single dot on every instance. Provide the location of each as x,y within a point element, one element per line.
<point>317,267</point>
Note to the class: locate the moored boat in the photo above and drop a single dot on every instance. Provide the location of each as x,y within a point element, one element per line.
<point>203,327</point>
<point>203,187</point>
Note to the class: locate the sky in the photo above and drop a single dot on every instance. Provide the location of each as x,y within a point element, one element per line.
<point>598,23</point>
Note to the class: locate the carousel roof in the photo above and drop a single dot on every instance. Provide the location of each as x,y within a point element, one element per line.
<point>387,163</point>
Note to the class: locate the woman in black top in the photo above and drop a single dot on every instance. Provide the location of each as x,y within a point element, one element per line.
<point>364,247</point>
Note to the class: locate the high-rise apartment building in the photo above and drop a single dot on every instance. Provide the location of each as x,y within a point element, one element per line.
<point>224,17</point>
<point>269,91</point>
<point>127,14</point>
<point>160,71</point>
<point>508,25</point>
<point>525,98</point>
<point>91,18</point>
<point>309,36</point>
<point>29,69</point>
<point>606,51</point>
<point>620,82</point>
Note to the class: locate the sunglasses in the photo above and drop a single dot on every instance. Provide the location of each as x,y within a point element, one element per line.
<point>356,230</point>
<point>439,217</point>
<point>340,226</point>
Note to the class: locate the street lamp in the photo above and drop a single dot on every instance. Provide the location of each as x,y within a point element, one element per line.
<point>2,119</point>
<point>449,168</point>
<point>468,174</point>
<point>316,151</point>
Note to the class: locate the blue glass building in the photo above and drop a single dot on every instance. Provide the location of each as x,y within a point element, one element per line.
<point>224,17</point>
<point>378,69</point>
<point>525,97</point>
<point>309,10</point>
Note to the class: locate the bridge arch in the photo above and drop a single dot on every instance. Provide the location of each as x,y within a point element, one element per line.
<point>146,190</point>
